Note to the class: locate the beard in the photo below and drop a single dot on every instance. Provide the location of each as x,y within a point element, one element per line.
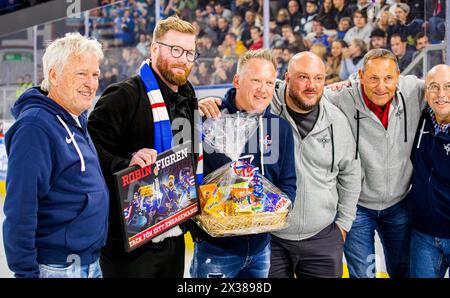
<point>164,68</point>
<point>299,103</point>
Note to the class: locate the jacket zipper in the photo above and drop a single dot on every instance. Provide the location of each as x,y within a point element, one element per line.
<point>302,192</point>
<point>388,184</point>
<point>432,149</point>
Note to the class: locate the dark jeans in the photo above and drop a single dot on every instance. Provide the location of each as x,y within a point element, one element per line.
<point>319,256</point>
<point>164,259</point>
<point>394,228</point>
<point>430,256</point>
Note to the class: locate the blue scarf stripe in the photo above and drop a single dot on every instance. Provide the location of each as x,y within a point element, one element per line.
<point>199,178</point>
<point>148,77</point>
<point>162,136</point>
<point>161,139</point>
<point>166,138</point>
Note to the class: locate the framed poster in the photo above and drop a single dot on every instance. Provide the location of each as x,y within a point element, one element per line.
<point>157,197</point>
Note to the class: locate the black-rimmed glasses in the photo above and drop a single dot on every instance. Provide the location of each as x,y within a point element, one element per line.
<point>177,52</point>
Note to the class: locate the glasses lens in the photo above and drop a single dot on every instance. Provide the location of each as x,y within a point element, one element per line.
<point>433,88</point>
<point>447,89</point>
<point>191,56</point>
<point>176,51</point>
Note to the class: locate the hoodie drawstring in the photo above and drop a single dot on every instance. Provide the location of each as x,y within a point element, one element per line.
<point>72,140</point>
<point>281,111</point>
<point>332,148</point>
<point>261,143</point>
<point>405,120</point>
<point>404,109</point>
<point>421,133</point>
<point>357,134</point>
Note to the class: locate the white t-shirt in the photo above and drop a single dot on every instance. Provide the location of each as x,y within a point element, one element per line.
<point>76,119</point>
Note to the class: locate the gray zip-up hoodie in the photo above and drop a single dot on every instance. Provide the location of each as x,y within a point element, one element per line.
<point>384,153</point>
<point>328,175</point>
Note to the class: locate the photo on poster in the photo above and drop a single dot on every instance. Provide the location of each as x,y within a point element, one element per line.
<point>157,197</point>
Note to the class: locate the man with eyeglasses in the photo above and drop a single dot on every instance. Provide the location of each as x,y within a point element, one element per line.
<point>430,192</point>
<point>132,122</point>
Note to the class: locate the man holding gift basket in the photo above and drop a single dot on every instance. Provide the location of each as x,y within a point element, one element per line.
<point>269,141</point>
<point>328,174</point>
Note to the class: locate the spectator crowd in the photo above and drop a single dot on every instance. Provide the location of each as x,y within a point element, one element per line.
<point>339,31</point>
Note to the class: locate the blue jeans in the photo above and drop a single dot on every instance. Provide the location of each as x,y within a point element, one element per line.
<point>394,228</point>
<point>214,262</point>
<point>72,271</point>
<point>430,256</point>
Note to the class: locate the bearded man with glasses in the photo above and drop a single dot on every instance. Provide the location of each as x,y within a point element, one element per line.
<point>132,122</point>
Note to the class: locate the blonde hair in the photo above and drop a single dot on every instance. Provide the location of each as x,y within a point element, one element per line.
<point>264,54</point>
<point>58,52</point>
<point>172,23</point>
<point>320,50</point>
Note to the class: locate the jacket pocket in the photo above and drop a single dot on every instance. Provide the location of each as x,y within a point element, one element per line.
<point>373,185</point>
<point>320,210</point>
<point>89,228</point>
<point>399,179</point>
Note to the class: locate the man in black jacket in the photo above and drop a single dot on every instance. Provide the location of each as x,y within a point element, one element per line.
<point>123,128</point>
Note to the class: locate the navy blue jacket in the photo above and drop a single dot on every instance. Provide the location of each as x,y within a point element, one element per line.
<point>281,173</point>
<point>430,193</point>
<point>57,201</point>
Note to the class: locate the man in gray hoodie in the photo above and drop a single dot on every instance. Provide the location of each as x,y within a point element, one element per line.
<point>383,109</point>
<point>328,175</point>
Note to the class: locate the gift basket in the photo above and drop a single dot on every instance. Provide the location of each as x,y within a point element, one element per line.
<point>236,199</point>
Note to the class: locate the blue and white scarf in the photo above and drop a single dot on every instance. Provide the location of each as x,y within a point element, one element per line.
<point>162,138</point>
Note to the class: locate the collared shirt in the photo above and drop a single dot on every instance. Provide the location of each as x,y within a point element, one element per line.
<point>382,113</point>
<point>443,128</point>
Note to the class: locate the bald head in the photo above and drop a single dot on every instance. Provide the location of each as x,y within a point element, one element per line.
<point>305,60</point>
<point>305,80</point>
<point>438,70</point>
<point>437,92</point>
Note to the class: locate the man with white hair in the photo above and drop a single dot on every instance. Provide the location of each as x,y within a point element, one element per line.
<point>430,192</point>
<point>57,202</point>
